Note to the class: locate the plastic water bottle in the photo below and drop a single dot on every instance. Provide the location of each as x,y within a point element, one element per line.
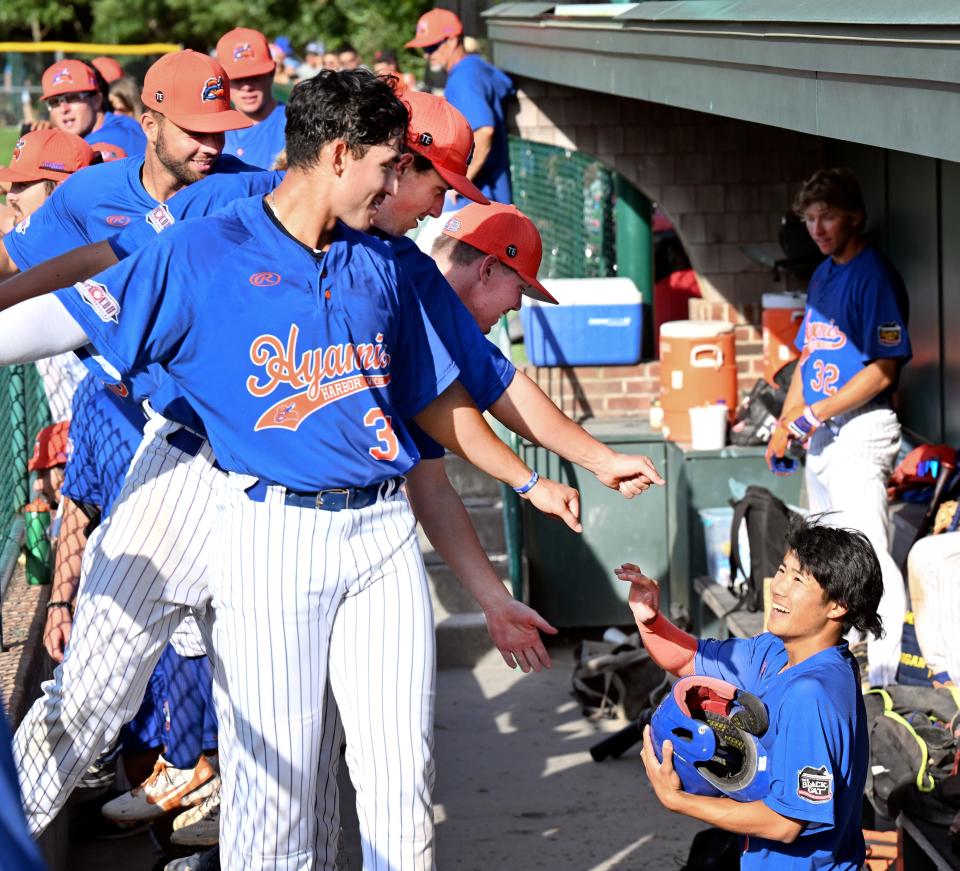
<point>36,519</point>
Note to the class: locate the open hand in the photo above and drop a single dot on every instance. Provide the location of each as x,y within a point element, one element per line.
<point>644,599</point>
<point>552,497</point>
<point>515,630</point>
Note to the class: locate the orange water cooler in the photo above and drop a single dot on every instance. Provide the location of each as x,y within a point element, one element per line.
<point>782,316</point>
<point>698,366</point>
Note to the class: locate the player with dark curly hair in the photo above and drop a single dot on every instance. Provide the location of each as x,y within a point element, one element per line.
<point>802,670</point>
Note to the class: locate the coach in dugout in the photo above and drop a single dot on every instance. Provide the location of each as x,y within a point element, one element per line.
<point>853,342</point>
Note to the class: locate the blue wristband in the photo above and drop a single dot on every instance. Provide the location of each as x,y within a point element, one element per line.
<point>526,488</point>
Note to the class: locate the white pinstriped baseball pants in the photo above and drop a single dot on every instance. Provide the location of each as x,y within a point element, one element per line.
<point>299,594</point>
<point>846,473</point>
<point>933,569</point>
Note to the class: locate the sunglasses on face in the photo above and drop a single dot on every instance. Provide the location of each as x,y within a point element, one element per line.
<point>53,102</point>
<point>430,49</point>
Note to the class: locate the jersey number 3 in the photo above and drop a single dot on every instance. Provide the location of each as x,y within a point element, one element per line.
<point>825,378</point>
<point>388,447</point>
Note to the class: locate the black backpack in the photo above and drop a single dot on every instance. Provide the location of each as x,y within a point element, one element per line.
<point>768,521</point>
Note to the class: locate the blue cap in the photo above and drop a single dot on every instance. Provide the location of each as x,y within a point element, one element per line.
<point>284,44</point>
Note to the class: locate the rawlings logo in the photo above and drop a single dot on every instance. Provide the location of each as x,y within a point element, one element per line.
<point>321,375</point>
<point>18,148</point>
<point>511,250</point>
<point>820,336</point>
<point>426,139</point>
<point>212,90</point>
<point>99,299</point>
<point>118,220</point>
<point>264,279</point>
<point>814,784</point>
<point>160,218</point>
<point>242,51</point>
<point>890,334</point>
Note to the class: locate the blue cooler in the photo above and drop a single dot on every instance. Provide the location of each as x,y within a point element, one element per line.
<point>597,322</point>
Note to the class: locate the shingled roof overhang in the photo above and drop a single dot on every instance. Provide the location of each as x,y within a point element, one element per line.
<point>879,72</point>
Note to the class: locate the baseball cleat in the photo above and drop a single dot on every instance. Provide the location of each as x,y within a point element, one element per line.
<point>166,789</point>
<point>199,826</point>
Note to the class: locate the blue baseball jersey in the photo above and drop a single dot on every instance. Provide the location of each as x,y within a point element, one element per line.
<point>18,851</point>
<point>484,371</point>
<point>259,145</point>
<point>856,313</point>
<point>122,131</point>
<point>301,364</point>
<point>481,92</point>
<point>105,431</point>
<point>90,206</point>
<point>817,742</point>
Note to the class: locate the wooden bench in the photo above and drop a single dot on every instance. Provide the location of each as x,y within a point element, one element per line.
<point>716,613</point>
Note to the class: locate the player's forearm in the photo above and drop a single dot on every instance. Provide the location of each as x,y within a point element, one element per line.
<point>70,545</point>
<point>38,328</point>
<point>453,420</point>
<point>751,818</point>
<point>868,383</point>
<point>7,266</point>
<point>524,408</point>
<point>669,646</point>
<point>63,271</point>
<point>444,518</point>
<point>482,145</point>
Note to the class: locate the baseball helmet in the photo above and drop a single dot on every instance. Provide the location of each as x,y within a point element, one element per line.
<point>714,728</point>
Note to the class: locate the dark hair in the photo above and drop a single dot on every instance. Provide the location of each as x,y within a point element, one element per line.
<point>49,185</point>
<point>353,105</point>
<point>844,563</point>
<point>345,47</point>
<point>835,187</point>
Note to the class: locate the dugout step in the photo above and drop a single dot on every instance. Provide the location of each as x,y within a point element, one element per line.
<point>487,519</point>
<point>462,640</point>
<point>448,594</point>
<point>469,481</point>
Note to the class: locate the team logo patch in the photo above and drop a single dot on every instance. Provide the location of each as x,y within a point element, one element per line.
<point>158,96</point>
<point>99,299</point>
<point>160,218</point>
<point>118,220</point>
<point>118,389</point>
<point>814,784</point>
<point>21,228</point>
<point>511,250</point>
<point>452,225</point>
<point>242,51</point>
<point>890,334</point>
<point>212,89</point>
<point>18,149</point>
<point>426,139</point>
<point>264,279</point>
<point>62,77</point>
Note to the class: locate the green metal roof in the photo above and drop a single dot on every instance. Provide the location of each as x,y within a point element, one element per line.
<point>874,71</point>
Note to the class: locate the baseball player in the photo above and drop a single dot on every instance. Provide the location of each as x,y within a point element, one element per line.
<point>245,56</point>
<point>77,104</point>
<point>354,185</point>
<point>802,670</point>
<point>187,113</point>
<point>853,342</point>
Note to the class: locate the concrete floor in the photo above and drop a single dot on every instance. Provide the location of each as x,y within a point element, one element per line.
<point>516,787</point>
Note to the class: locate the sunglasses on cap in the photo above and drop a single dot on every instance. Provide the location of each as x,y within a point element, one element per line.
<point>430,49</point>
<point>59,99</point>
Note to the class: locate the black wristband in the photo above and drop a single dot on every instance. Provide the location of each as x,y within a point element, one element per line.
<point>66,605</point>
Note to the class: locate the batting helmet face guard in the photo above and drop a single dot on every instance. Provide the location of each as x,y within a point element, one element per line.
<point>714,729</point>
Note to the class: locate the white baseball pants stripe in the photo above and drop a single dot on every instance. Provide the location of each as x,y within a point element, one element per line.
<point>933,568</point>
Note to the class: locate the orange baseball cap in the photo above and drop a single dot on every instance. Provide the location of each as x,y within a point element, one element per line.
<point>50,448</point>
<point>438,131</point>
<point>192,91</point>
<point>108,68</point>
<point>506,233</point>
<point>435,26</point>
<point>108,151</point>
<point>243,52</point>
<point>47,154</point>
<point>68,77</point>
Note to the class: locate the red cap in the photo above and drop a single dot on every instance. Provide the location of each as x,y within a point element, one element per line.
<point>506,233</point>
<point>438,131</point>
<point>244,52</point>
<point>68,77</point>
<point>435,26</point>
<point>108,68</point>
<point>50,154</point>
<point>50,448</point>
<point>193,91</point>
<point>108,151</point>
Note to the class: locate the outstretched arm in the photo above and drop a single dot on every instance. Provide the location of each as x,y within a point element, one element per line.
<point>66,579</point>
<point>62,271</point>
<point>529,412</point>
<point>36,329</point>
<point>513,626</point>
<point>453,420</point>
<point>670,647</point>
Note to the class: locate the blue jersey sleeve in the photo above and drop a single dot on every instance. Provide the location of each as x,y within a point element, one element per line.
<point>807,757</point>
<point>53,229</point>
<point>80,481</point>
<point>884,327</point>
<point>469,93</point>
<point>136,312</point>
<point>733,660</point>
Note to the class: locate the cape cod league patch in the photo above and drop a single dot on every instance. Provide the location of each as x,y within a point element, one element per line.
<point>890,334</point>
<point>814,784</point>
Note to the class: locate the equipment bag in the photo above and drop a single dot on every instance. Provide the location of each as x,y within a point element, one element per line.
<point>757,415</point>
<point>612,680</point>
<point>768,521</point>
<point>913,746</point>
